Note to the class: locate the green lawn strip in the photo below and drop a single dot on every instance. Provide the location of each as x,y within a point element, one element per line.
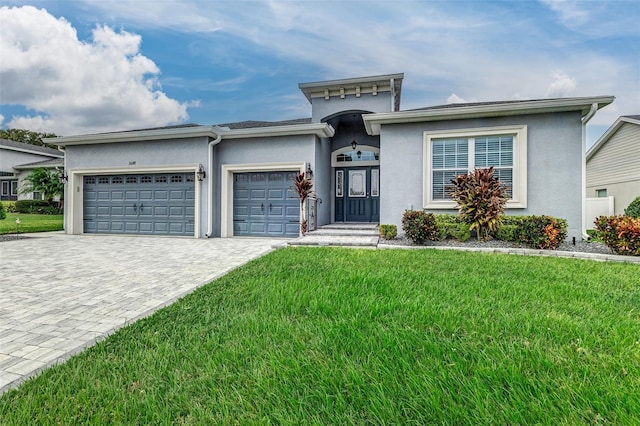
<point>338,336</point>
<point>31,223</point>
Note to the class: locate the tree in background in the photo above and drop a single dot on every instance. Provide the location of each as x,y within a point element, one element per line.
<point>27,136</point>
<point>45,181</point>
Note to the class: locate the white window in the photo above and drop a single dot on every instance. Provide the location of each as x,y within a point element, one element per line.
<point>37,195</point>
<point>601,193</point>
<point>451,153</point>
<point>14,187</point>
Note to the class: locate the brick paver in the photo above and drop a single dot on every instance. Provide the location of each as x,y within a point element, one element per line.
<point>59,293</point>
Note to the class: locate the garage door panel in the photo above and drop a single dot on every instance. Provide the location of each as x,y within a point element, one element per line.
<point>277,194</point>
<point>117,195</point>
<point>146,195</point>
<point>161,195</point>
<point>140,204</point>
<point>258,194</point>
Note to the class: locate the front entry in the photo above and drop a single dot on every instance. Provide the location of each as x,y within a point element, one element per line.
<point>357,194</point>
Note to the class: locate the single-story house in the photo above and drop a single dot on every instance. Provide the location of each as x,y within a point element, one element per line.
<point>368,160</point>
<point>613,163</point>
<point>17,160</point>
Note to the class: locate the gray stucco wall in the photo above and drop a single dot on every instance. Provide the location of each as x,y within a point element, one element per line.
<point>283,149</point>
<point>10,158</point>
<point>322,108</point>
<point>554,158</point>
<point>144,154</point>
<point>322,181</point>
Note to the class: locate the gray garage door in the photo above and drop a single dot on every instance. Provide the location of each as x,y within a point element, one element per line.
<point>154,204</point>
<point>264,205</point>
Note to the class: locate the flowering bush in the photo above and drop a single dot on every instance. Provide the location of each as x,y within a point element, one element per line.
<point>620,233</point>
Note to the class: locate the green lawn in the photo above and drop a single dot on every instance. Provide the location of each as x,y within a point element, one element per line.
<point>339,336</point>
<point>31,223</point>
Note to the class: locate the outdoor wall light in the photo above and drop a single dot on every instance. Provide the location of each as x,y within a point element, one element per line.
<point>309,173</point>
<point>201,174</point>
<point>354,144</point>
<point>64,178</point>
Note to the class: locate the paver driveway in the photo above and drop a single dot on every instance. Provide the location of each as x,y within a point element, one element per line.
<point>59,293</point>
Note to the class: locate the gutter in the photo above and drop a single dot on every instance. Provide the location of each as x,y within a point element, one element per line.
<point>215,141</point>
<point>585,120</point>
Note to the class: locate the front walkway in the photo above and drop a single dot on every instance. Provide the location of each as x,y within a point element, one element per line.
<point>59,293</point>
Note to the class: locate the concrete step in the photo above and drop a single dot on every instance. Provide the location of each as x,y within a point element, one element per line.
<point>341,234</point>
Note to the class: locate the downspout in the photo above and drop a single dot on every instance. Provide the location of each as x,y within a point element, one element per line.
<point>585,120</point>
<point>64,191</point>
<point>216,141</point>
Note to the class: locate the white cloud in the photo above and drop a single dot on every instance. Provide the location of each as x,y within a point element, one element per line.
<point>455,99</point>
<point>73,86</point>
<point>561,86</point>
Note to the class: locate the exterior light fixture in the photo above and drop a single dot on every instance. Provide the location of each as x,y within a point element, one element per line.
<point>309,173</point>
<point>63,177</point>
<point>201,174</point>
<point>354,144</point>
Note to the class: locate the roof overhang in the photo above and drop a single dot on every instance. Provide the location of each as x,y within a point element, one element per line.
<point>355,86</point>
<point>32,151</point>
<point>319,129</point>
<point>322,130</point>
<point>610,132</point>
<point>373,122</point>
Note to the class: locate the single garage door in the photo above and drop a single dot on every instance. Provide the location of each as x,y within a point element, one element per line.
<point>265,205</point>
<point>153,204</point>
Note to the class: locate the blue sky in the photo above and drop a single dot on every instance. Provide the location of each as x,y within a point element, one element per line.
<point>74,67</point>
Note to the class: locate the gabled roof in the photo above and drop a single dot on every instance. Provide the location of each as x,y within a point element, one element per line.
<point>254,124</point>
<point>54,162</point>
<point>373,122</point>
<point>632,119</point>
<point>29,148</point>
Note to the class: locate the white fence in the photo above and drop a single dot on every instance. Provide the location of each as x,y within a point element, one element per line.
<point>598,207</point>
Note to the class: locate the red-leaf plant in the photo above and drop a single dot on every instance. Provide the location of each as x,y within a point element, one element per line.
<point>481,199</point>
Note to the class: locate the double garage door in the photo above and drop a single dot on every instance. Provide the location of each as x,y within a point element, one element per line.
<point>153,204</point>
<point>265,205</point>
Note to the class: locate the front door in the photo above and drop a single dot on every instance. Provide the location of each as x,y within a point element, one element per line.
<point>357,194</point>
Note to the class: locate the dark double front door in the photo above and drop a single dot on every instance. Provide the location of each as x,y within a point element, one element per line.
<point>357,194</point>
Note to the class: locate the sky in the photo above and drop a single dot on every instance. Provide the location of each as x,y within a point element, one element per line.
<point>77,67</point>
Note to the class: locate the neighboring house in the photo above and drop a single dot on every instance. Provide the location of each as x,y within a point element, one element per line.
<point>369,161</point>
<point>17,160</point>
<point>613,163</point>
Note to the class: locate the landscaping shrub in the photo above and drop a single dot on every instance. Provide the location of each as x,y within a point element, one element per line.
<point>633,210</point>
<point>3,213</point>
<point>388,232</point>
<point>9,206</point>
<point>419,226</point>
<point>36,207</point>
<point>456,231</point>
<point>542,232</point>
<point>620,233</point>
<point>507,233</point>
<point>481,199</point>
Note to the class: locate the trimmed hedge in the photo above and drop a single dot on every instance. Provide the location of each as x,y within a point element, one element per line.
<point>36,207</point>
<point>539,232</point>
<point>3,213</point>
<point>620,233</point>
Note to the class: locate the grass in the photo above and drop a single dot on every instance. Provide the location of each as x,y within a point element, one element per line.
<point>31,223</point>
<point>337,336</point>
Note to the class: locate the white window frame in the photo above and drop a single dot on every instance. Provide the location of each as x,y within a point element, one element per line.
<point>346,164</point>
<point>519,190</point>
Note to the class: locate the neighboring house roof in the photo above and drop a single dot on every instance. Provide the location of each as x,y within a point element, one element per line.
<point>54,162</point>
<point>29,148</point>
<point>631,119</point>
<point>373,122</point>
